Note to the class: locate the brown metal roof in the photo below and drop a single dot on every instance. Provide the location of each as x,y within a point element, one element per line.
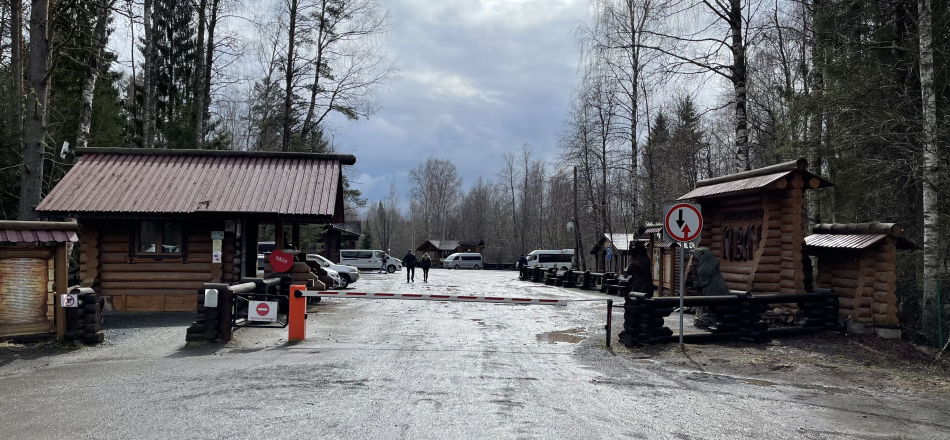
<point>748,183</point>
<point>653,229</point>
<point>843,241</point>
<point>38,235</point>
<point>124,182</point>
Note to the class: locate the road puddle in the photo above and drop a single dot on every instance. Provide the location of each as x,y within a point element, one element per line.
<point>765,383</point>
<point>572,336</point>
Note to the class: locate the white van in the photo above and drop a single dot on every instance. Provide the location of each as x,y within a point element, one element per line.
<point>562,259</point>
<point>369,259</point>
<point>463,261</point>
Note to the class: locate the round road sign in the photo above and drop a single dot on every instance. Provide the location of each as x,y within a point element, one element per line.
<point>263,309</point>
<point>683,222</point>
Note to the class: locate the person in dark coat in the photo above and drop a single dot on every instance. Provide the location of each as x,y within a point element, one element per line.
<point>426,263</point>
<point>410,262</point>
<point>522,262</point>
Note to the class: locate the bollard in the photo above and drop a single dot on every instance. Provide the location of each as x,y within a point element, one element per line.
<point>610,308</point>
<point>297,314</point>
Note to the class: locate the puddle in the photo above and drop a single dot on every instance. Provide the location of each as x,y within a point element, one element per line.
<point>572,336</point>
<point>761,383</point>
<point>833,390</point>
<point>765,383</point>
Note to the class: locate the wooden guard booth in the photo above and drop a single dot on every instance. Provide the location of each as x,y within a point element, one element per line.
<point>619,252</point>
<point>753,223</point>
<point>664,255</point>
<point>340,236</point>
<point>33,268</point>
<point>155,225</point>
<point>857,261</point>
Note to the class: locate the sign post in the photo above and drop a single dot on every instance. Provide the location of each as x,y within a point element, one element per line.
<point>683,223</point>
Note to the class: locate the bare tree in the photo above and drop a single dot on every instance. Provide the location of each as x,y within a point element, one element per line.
<point>931,270</point>
<point>100,38</point>
<point>37,101</point>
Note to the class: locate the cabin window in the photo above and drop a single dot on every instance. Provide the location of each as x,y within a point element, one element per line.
<point>159,237</point>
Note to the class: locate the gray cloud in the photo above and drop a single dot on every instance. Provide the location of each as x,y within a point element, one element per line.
<point>478,79</point>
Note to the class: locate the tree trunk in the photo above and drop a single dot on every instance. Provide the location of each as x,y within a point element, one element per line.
<point>289,92</point>
<point>200,77</point>
<point>634,109</point>
<point>739,85</point>
<point>16,55</point>
<point>209,63</point>
<point>92,73</point>
<point>34,127</point>
<point>930,172</point>
<point>316,77</point>
<point>816,126</point>
<point>148,82</point>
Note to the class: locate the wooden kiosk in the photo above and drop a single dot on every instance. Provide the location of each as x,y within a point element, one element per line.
<point>857,261</point>
<point>753,223</point>
<point>156,225</point>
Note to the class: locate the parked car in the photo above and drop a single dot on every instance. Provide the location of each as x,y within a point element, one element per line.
<point>463,261</point>
<point>365,259</point>
<point>562,259</point>
<point>338,282</point>
<point>348,274</point>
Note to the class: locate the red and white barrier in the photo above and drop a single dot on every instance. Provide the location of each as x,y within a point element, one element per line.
<point>426,297</point>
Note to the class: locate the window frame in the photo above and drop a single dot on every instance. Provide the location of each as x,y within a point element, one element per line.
<point>137,241</point>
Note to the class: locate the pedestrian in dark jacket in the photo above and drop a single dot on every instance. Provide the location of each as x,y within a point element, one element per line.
<point>410,262</point>
<point>522,262</point>
<point>426,263</point>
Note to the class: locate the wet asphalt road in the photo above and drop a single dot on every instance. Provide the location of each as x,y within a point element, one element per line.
<point>413,369</point>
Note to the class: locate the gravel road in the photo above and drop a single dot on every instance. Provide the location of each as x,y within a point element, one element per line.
<point>422,369</point>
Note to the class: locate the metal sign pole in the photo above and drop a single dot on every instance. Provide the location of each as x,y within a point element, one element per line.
<point>682,291</point>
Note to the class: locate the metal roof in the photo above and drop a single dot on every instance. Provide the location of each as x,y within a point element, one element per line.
<point>843,241</point>
<point>748,183</point>
<point>37,235</point>
<point>653,229</point>
<point>125,182</point>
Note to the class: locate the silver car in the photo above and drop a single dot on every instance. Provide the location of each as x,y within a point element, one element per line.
<point>348,274</point>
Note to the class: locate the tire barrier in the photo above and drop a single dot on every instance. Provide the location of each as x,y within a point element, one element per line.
<point>214,322</point>
<point>734,316</point>
<point>84,322</point>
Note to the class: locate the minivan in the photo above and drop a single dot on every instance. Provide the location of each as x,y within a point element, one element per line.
<point>369,259</point>
<point>463,261</point>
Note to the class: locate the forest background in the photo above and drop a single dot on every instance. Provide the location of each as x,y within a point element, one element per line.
<point>858,87</point>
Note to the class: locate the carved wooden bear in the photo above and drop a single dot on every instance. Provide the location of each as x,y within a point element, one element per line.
<point>709,282</point>
<point>640,270</point>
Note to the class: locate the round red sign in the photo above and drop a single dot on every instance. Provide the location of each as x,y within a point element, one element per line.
<point>262,309</point>
<point>281,261</point>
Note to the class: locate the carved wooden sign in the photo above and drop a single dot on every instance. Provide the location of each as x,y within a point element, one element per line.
<point>740,244</point>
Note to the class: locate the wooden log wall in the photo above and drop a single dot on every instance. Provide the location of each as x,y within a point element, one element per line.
<point>774,263</point>
<point>300,274</point>
<point>144,283</point>
<point>865,282</point>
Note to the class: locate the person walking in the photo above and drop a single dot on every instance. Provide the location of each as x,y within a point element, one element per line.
<point>522,262</point>
<point>410,262</point>
<point>426,263</point>
<point>382,263</point>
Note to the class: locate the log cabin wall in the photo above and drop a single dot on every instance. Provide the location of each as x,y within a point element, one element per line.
<point>136,282</point>
<point>865,281</point>
<point>758,237</point>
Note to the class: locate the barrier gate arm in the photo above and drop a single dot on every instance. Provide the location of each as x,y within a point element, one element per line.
<point>429,297</point>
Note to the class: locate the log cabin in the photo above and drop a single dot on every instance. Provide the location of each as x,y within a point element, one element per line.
<point>753,222</point>
<point>157,224</point>
<point>857,261</point>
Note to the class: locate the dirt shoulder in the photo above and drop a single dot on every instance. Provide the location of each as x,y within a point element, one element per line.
<point>857,361</point>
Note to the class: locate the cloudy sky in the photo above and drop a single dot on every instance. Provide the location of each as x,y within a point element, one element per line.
<point>478,78</point>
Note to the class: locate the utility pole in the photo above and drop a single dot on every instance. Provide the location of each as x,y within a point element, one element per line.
<point>578,243</point>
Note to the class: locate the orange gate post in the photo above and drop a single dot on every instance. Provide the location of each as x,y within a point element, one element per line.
<point>297,314</point>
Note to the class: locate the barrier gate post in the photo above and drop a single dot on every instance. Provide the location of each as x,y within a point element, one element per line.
<point>297,314</point>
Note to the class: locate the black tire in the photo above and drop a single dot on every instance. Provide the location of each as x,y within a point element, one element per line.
<point>475,267</point>
<point>345,281</point>
<point>391,269</point>
<point>563,267</point>
<point>456,267</point>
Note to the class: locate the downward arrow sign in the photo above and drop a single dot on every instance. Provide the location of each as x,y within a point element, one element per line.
<point>680,221</point>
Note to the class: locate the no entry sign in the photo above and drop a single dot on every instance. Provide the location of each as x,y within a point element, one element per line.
<point>683,222</point>
<point>265,311</point>
<point>69,300</point>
